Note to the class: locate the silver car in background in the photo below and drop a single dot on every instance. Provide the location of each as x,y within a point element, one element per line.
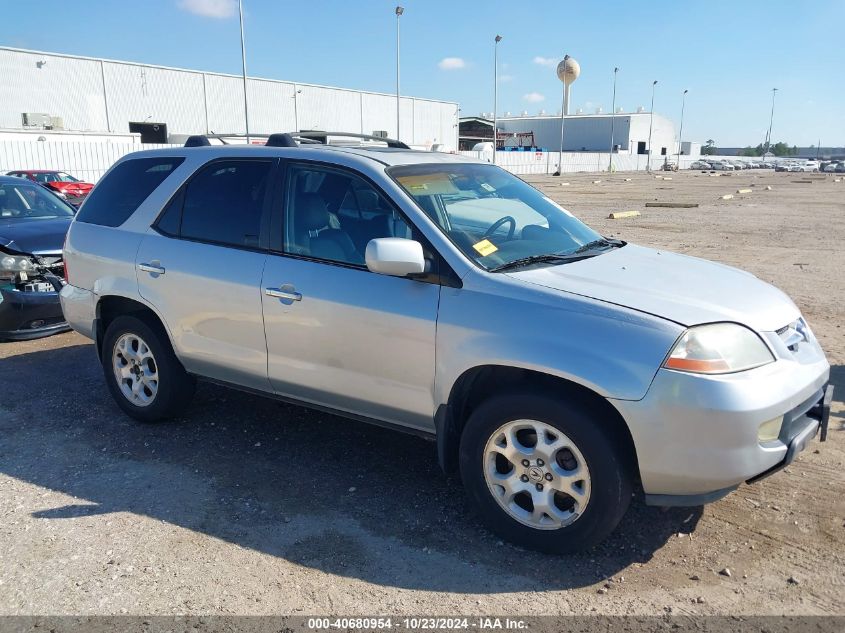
<point>557,370</point>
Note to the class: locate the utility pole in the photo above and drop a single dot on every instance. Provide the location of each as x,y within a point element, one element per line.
<point>399,12</point>
<point>495,93</point>
<point>650,126</point>
<point>612,119</point>
<point>681,132</point>
<point>771,120</point>
<point>243,62</point>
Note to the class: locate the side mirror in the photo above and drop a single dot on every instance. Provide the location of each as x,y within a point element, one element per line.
<point>395,256</point>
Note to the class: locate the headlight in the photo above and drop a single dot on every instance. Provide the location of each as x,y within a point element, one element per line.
<point>15,264</point>
<point>718,348</point>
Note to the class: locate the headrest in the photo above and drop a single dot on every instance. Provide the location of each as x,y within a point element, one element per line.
<point>368,199</point>
<point>311,212</point>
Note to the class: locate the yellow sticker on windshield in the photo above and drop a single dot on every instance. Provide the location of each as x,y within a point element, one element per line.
<point>485,247</point>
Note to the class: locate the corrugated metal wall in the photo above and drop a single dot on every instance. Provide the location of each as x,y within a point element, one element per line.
<point>98,95</point>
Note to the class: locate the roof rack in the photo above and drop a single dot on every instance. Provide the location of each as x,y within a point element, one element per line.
<point>294,139</point>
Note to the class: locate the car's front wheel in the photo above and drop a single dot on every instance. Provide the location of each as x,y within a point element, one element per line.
<point>543,472</point>
<point>143,374</point>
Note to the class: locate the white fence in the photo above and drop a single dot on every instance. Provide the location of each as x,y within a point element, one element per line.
<point>88,161</point>
<point>85,160</point>
<point>525,163</point>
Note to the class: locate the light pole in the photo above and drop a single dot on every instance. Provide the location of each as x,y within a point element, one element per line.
<point>771,120</point>
<point>399,12</point>
<point>243,63</point>
<point>681,132</point>
<point>650,126</point>
<point>495,92</point>
<point>612,119</point>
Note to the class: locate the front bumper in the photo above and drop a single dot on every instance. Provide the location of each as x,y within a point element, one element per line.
<point>696,436</point>
<point>30,315</point>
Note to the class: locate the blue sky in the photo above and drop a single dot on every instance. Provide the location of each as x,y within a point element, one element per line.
<point>728,53</point>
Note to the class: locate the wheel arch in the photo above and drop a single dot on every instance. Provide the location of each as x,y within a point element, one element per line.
<point>109,307</point>
<point>480,382</point>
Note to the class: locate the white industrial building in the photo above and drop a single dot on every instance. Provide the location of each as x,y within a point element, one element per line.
<point>51,91</point>
<point>591,132</point>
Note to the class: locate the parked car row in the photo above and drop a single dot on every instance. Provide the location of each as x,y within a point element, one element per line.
<point>67,187</point>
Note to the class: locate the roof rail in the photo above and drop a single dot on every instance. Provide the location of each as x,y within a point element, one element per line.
<point>293,139</point>
<point>322,137</point>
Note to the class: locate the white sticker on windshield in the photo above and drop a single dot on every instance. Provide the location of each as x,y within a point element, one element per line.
<point>547,199</point>
<point>488,187</point>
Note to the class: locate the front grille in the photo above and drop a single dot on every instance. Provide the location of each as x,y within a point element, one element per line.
<point>794,334</point>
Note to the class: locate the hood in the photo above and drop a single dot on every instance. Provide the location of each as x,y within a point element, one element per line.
<point>28,236</point>
<point>680,288</point>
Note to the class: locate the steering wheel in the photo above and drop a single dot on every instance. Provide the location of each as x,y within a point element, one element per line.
<point>498,223</point>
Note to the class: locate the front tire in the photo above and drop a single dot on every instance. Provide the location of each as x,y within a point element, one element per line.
<point>544,473</point>
<point>142,373</point>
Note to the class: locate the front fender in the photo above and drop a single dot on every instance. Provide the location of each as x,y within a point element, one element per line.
<point>611,350</point>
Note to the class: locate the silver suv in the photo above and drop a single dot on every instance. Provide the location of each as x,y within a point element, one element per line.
<point>557,370</point>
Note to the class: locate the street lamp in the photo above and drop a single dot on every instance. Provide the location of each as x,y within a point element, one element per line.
<point>399,12</point>
<point>243,63</point>
<point>681,132</point>
<point>495,92</point>
<point>771,119</point>
<point>612,119</point>
<point>650,125</point>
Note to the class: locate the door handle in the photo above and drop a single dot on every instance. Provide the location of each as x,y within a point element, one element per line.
<point>286,293</point>
<point>150,268</point>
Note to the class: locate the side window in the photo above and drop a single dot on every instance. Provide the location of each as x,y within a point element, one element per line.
<point>223,203</point>
<point>333,215</point>
<point>123,190</point>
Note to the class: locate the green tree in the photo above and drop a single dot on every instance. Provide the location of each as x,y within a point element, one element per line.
<point>709,148</point>
<point>782,149</point>
<point>752,151</point>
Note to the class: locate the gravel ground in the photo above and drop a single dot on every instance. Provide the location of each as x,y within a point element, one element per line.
<point>250,506</point>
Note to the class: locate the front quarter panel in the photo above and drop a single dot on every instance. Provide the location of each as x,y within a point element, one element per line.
<point>494,320</point>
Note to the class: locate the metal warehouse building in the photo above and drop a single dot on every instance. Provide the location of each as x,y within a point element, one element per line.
<point>64,92</point>
<point>586,132</point>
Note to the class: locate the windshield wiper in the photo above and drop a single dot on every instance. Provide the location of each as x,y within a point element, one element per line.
<point>536,259</point>
<point>599,243</point>
<point>583,252</point>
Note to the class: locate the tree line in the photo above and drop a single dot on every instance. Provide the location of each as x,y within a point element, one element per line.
<point>778,149</point>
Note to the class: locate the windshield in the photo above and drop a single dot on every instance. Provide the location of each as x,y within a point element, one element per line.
<point>492,216</point>
<point>54,176</point>
<point>27,202</point>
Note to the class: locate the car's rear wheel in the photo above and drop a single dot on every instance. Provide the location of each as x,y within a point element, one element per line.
<point>544,473</point>
<point>143,374</point>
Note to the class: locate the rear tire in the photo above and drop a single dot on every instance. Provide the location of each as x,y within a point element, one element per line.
<point>142,373</point>
<point>576,476</point>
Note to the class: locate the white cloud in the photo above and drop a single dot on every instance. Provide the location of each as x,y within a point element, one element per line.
<point>533,97</point>
<point>452,63</point>
<point>219,9</point>
<point>549,62</point>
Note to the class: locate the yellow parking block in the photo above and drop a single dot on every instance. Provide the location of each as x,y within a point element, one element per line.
<point>623,214</point>
<point>727,196</point>
<point>744,190</point>
<point>595,182</point>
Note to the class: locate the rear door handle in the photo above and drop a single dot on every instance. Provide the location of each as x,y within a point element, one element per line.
<point>150,268</point>
<point>286,293</point>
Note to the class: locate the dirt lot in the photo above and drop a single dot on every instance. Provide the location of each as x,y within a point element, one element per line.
<point>250,506</point>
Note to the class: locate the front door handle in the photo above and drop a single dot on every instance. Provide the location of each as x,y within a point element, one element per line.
<point>286,294</point>
<point>153,268</point>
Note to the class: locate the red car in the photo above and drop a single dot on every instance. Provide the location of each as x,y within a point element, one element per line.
<point>59,181</point>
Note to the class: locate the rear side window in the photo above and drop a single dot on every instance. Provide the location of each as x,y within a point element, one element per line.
<point>124,189</point>
<point>223,203</point>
